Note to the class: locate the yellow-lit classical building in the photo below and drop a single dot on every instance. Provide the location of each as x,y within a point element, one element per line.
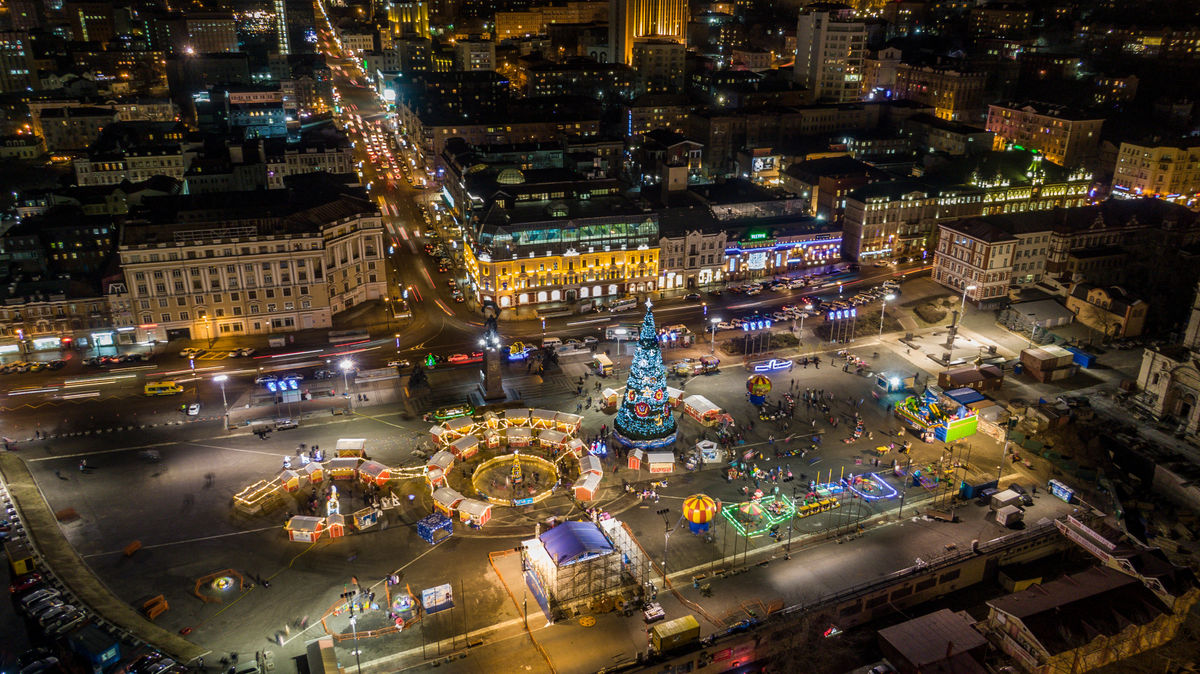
<point>557,241</point>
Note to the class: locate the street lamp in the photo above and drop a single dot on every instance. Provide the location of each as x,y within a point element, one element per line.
<point>714,320</point>
<point>1032,327</point>
<point>883,308</point>
<point>346,365</point>
<point>620,332</point>
<point>221,379</point>
<point>962,306</point>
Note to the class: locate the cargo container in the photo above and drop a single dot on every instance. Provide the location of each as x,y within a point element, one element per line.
<point>1009,515</point>
<point>1005,498</point>
<point>673,634</point>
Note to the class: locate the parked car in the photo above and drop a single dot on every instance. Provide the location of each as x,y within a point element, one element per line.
<point>692,296</point>
<point>264,378</point>
<point>57,364</point>
<point>23,583</point>
<point>590,340</point>
<point>1026,499</point>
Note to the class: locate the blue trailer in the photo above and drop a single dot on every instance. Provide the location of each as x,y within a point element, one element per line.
<point>970,491</point>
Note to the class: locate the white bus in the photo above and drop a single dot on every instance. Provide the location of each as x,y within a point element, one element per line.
<point>624,304</point>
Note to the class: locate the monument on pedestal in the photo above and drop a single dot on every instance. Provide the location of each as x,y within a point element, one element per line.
<point>492,386</point>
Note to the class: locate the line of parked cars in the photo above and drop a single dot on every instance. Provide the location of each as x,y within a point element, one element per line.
<point>34,366</point>
<point>69,637</point>
<point>101,361</point>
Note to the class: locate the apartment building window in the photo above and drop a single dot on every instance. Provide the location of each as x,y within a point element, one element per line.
<point>254,308</point>
<point>237,311</point>
<point>271,308</point>
<point>183,315</point>
<point>165,318</point>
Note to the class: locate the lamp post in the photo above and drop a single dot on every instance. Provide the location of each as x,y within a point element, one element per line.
<point>714,320</point>
<point>346,365</point>
<point>883,308</point>
<point>619,332</point>
<point>221,379</point>
<point>1032,327</point>
<point>963,304</point>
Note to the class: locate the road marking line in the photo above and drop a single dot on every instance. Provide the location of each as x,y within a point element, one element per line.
<point>594,320</point>
<point>186,540</point>
<point>103,451</point>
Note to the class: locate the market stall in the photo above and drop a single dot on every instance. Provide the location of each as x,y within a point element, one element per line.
<point>701,409</point>
<point>351,447</point>
<point>305,528</point>
<point>436,477</point>
<point>343,468</point>
<point>590,464</point>
<point>492,421</point>
<point>315,471</point>
<point>365,518</point>
<point>586,487</point>
<point>542,419</point>
<point>552,440</point>
<point>516,417</point>
<point>491,438</point>
<point>457,428</point>
<point>674,396</point>
<point>335,525</point>
<point>290,480</point>
<point>439,435</point>
<point>373,472</point>
<point>568,423</point>
<point>519,437</point>
<point>465,447</point>
<point>443,459</point>
<point>474,513</point>
<point>445,500</point>
<point>575,447</point>
<point>661,462</point>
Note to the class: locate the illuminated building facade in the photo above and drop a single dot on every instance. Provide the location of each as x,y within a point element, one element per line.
<point>1065,136</point>
<point>557,240</point>
<point>409,18</point>
<point>898,217</point>
<point>630,20</point>
<point>1162,170</point>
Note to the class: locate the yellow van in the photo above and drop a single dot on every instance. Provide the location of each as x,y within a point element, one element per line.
<point>162,388</point>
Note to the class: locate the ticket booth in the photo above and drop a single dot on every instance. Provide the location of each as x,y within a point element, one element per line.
<point>636,458</point>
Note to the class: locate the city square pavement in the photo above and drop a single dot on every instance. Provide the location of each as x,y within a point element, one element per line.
<point>176,502</point>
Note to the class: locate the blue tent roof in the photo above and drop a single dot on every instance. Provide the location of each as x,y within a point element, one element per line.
<point>572,542</point>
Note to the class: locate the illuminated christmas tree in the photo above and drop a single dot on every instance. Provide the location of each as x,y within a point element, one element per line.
<point>644,419</point>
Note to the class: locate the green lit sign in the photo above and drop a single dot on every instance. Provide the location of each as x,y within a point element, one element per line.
<point>757,236</point>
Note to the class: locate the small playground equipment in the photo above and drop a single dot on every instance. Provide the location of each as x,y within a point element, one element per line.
<point>929,416</point>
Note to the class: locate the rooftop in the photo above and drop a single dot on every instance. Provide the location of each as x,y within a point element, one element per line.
<point>933,638</point>
<point>1074,610</point>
